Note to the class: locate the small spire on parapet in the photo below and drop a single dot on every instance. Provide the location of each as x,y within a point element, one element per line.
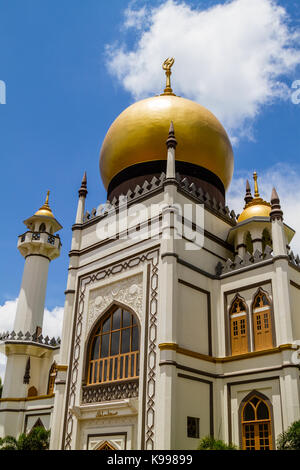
<point>248,196</point>
<point>276,211</point>
<point>171,140</point>
<point>83,189</point>
<point>171,145</point>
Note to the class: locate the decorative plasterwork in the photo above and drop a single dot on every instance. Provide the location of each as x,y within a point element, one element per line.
<point>110,391</point>
<point>127,291</point>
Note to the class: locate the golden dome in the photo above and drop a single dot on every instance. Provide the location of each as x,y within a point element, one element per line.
<point>257,207</point>
<point>139,134</point>
<point>45,209</point>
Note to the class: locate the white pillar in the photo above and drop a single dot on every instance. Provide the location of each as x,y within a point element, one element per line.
<point>30,309</point>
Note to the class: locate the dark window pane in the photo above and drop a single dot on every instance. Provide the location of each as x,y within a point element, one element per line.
<point>95,372</point>
<point>126,318</point>
<point>116,368</point>
<point>126,367</point>
<point>121,367</point>
<point>117,320</point>
<point>134,321</point>
<point>193,427</point>
<point>115,340</point>
<point>249,413</point>
<point>105,371</point>
<point>110,368</point>
<point>104,345</point>
<point>100,371</point>
<point>265,300</point>
<point>135,339</point>
<point>126,341</point>
<point>254,400</point>
<point>132,371</point>
<point>262,411</point>
<point>95,348</point>
<point>91,373</point>
<point>106,325</point>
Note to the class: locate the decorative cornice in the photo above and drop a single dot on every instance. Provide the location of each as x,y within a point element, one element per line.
<point>245,262</point>
<point>157,184</point>
<point>40,397</point>
<point>187,352</point>
<point>20,337</point>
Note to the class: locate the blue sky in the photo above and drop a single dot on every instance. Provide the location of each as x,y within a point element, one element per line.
<point>62,98</point>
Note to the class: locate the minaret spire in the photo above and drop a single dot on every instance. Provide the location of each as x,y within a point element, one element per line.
<point>83,188</point>
<point>248,196</point>
<point>171,146</point>
<point>276,211</point>
<point>81,202</point>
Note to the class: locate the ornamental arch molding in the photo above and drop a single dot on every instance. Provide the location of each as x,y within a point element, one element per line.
<point>92,331</point>
<point>267,401</point>
<point>149,260</point>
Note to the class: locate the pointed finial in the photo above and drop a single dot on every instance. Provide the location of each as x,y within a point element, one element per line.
<point>256,192</point>
<point>45,209</point>
<point>83,189</point>
<point>167,65</point>
<point>171,140</point>
<point>276,211</point>
<point>47,198</point>
<point>248,197</point>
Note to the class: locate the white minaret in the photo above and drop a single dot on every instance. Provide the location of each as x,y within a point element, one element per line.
<point>23,346</point>
<point>39,246</point>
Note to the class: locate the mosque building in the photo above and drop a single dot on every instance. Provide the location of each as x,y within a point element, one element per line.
<point>181,319</point>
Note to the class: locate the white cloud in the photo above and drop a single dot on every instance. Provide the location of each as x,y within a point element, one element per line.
<point>287,183</point>
<point>52,324</point>
<point>231,58</point>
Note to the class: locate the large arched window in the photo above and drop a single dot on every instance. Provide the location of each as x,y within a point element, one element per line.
<point>114,349</point>
<point>238,327</point>
<point>256,424</point>
<point>262,322</point>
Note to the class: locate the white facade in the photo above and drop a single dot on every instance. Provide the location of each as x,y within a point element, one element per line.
<point>179,281</point>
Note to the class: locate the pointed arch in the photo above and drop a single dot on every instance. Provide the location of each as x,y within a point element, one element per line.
<point>51,379</point>
<point>32,392</point>
<point>249,243</point>
<point>37,424</point>
<point>266,239</point>
<point>113,347</point>
<point>256,422</point>
<point>262,318</point>
<point>106,446</point>
<point>238,326</point>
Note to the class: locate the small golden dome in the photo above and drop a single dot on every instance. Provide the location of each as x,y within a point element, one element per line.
<point>139,133</point>
<point>45,209</point>
<point>257,207</point>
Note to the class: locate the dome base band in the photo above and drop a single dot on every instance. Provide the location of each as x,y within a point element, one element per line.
<point>137,174</point>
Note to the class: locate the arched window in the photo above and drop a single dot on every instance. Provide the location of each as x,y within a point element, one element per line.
<point>42,228</point>
<point>52,377</point>
<point>249,243</point>
<point>32,392</point>
<point>238,327</point>
<point>266,239</point>
<point>262,322</point>
<point>256,425</point>
<point>114,350</point>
